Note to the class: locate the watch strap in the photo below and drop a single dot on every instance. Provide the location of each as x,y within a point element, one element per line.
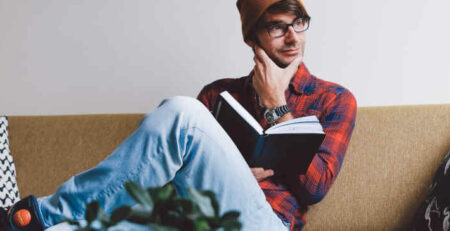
<point>272,115</point>
<point>282,110</point>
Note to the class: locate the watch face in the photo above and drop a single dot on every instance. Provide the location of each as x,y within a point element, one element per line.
<point>269,115</point>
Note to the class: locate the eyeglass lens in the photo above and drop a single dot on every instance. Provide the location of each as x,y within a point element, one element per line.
<point>279,29</point>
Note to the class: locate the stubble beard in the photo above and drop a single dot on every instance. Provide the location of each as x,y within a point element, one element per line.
<point>284,64</point>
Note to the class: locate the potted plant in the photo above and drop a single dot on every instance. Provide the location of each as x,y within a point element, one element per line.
<point>161,209</point>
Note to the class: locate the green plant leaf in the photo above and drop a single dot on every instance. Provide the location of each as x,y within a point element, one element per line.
<point>214,202</point>
<point>139,195</point>
<point>230,221</point>
<point>201,225</point>
<point>158,227</point>
<point>185,205</point>
<point>92,211</point>
<point>231,225</point>
<point>204,202</point>
<point>139,217</point>
<point>165,192</point>
<point>162,193</point>
<point>231,215</point>
<point>214,222</point>
<point>120,214</point>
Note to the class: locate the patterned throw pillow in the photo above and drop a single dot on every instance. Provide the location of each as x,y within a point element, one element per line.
<point>9,193</point>
<point>434,213</point>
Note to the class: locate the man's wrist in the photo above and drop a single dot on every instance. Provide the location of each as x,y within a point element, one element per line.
<point>273,103</point>
<point>273,115</point>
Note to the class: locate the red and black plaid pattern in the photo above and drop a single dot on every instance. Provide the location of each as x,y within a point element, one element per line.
<point>335,107</point>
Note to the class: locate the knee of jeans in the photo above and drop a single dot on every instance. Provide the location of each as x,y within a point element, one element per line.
<point>178,107</point>
<point>184,104</point>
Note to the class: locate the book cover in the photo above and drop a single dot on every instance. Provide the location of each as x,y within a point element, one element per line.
<point>287,147</point>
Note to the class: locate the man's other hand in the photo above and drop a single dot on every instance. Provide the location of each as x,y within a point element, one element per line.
<point>261,174</point>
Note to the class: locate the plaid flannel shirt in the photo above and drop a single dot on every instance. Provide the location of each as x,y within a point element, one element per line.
<point>306,95</point>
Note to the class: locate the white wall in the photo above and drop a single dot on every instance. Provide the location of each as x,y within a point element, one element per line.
<point>125,56</point>
<point>387,52</point>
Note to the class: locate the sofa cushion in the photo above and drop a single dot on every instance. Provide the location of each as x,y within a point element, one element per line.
<point>434,213</point>
<point>9,193</point>
<point>387,171</point>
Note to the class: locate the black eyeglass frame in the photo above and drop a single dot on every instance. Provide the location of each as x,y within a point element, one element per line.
<point>287,25</point>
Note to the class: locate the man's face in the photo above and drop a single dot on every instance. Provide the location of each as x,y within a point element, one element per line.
<point>282,50</point>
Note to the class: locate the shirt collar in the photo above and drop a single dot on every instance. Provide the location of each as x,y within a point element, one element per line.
<point>301,83</point>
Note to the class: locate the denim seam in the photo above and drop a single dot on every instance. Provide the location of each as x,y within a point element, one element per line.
<point>114,188</point>
<point>44,223</point>
<point>188,131</point>
<point>111,189</point>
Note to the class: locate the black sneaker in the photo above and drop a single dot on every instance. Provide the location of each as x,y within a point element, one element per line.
<point>22,216</point>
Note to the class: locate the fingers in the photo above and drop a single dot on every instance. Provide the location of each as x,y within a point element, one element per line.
<point>268,173</point>
<point>258,69</point>
<point>257,171</point>
<point>257,55</point>
<point>261,174</point>
<point>261,55</point>
<point>258,62</point>
<point>265,174</point>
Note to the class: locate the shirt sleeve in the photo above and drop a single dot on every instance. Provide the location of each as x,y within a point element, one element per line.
<point>338,122</point>
<point>207,96</point>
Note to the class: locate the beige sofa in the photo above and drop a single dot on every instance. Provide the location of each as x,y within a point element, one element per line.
<point>389,165</point>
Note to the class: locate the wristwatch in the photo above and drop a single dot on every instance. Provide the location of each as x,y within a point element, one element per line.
<point>272,115</point>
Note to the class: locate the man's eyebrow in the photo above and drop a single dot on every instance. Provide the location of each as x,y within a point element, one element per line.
<point>279,22</point>
<point>274,22</point>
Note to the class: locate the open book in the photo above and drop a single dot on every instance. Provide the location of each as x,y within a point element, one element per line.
<point>287,147</point>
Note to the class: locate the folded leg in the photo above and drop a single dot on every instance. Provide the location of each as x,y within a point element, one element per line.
<point>181,142</point>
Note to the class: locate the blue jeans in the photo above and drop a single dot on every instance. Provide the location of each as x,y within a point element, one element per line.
<point>181,142</point>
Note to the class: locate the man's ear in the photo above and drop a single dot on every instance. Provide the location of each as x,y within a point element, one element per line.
<point>250,43</point>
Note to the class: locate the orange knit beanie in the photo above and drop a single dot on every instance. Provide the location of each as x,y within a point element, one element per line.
<point>251,10</point>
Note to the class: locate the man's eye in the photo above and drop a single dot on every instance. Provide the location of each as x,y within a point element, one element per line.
<point>298,23</point>
<point>276,27</point>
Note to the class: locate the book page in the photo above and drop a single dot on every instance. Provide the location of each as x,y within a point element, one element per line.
<point>312,118</point>
<point>307,124</point>
<point>242,112</point>
<point>306,128</point>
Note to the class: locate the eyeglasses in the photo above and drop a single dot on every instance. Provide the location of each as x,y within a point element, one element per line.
<point>278,29</point>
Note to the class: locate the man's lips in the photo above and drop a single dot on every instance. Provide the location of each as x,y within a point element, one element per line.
<point>290,51</point>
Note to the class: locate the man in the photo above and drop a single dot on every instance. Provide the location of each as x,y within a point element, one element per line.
<point>275,31</point>
<point>181,142</point>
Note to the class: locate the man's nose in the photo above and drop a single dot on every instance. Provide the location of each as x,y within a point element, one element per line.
<point>291,36</point>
